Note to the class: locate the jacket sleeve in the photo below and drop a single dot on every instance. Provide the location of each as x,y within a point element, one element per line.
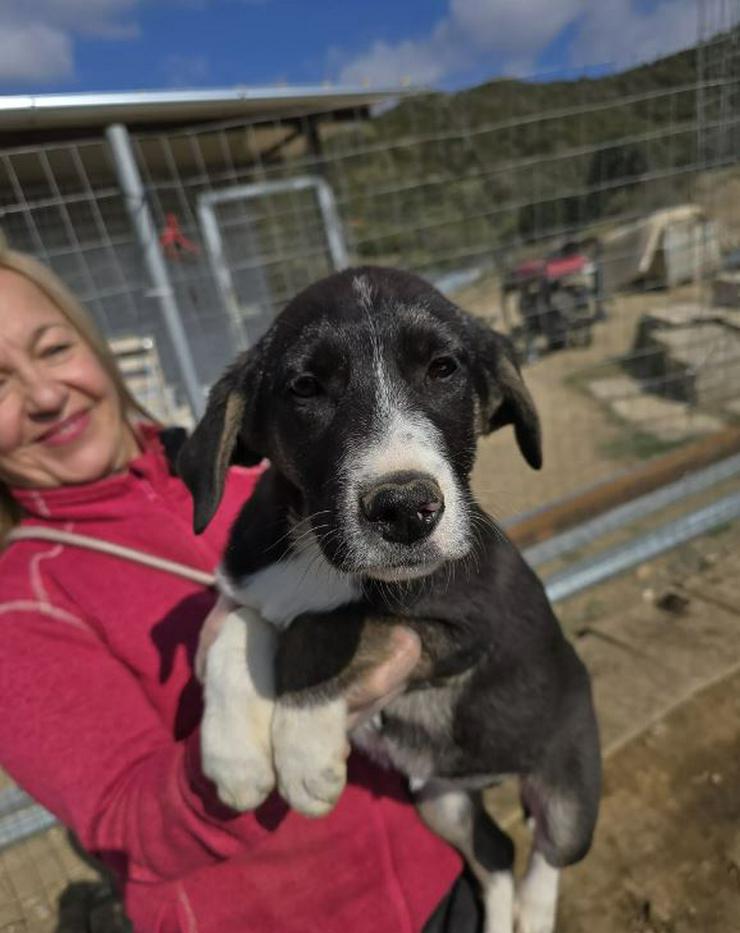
<point>79,734</point>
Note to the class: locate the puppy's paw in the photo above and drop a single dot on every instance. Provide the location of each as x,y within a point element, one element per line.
<point>239,703</point>
<point>237,759</point>
<point>310,752</point>
<point>498,902</point>
<point>535,906</point>
<point>533,918</point>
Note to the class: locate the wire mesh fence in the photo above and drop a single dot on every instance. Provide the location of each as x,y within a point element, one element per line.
<point>586,218</point>
<point>579,216</point>
<point>596,221</point>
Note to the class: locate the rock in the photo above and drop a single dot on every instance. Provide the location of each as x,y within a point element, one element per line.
<point>667,420</point>
<point>688,353</point>
<point>606,390</point>
<point>673,602</point>
<point>726,290</point>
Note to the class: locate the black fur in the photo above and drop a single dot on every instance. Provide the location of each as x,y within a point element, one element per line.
<point>513,696</point>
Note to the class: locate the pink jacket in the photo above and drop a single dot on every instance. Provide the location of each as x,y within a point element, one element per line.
<point>99,722</point>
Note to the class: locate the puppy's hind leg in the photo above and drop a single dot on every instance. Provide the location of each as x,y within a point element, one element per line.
<point>536,903</point>
<point>563,801</point>
<point>460,818</point>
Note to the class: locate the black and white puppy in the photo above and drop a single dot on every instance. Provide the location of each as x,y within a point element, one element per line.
<point>367,396</point>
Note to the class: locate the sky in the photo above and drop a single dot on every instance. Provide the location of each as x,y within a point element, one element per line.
<point>49,46</point>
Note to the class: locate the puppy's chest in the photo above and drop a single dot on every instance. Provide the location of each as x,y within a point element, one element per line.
<point>302,582</point>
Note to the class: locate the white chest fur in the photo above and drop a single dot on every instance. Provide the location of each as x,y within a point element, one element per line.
<point>303,582</point>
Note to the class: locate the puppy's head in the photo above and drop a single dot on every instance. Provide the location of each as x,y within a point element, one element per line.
<point>367,394</point>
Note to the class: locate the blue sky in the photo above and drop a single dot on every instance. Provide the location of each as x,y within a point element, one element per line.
<point>88,45</point>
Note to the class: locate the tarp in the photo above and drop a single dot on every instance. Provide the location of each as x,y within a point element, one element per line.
<point>668,247</point>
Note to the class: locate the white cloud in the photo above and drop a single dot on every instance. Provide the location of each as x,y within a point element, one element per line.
<point>185,71</point>
<point>512,34</point>
<point>620,34</point>
<point>37,36</point>
<point>33,52</point>
<point>423,61</point>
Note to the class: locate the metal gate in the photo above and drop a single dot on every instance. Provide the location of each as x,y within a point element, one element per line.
<point>267,240</point>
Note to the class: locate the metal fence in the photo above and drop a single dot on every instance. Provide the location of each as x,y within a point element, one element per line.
<point>478,191</point>
<point>597,222</point>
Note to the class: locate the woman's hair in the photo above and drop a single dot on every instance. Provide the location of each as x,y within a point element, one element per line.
<point>54,289</point>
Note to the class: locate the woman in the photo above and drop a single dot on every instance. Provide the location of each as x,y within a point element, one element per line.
<point>100,706</point>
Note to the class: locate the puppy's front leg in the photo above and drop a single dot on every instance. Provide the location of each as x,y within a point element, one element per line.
<point>319,658</point>
<point>239,700</point>
<point>310,748</point>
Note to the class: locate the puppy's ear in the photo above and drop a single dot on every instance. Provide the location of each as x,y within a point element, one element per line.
<point>503,397</point>
<point>224,435</point>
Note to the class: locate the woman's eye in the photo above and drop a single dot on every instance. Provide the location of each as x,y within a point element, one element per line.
<point>305,386</point>
<point>442,367</point>
<point>55,349</point>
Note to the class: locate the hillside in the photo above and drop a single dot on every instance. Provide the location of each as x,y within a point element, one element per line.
<point>444,177</point>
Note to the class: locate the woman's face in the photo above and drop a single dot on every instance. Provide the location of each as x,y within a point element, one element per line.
<point>60,416</point>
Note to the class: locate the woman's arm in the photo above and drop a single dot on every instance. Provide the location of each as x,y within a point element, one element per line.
<point>79,734</point>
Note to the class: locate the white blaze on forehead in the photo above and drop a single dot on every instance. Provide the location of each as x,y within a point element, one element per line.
<point>403,439</point>
<point>364,291</point>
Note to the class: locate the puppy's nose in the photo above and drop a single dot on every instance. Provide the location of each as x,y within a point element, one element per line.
<point>404,507</point>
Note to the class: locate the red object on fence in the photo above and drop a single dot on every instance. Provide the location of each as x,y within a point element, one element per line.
<point>174,242</point>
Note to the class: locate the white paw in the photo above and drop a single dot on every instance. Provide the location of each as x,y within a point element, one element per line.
<point>533,918</point>
<point>236,757</point>
<point>498,902</point>
<point>536,903</point>
<point>236,729</point>
<point>310,751</point>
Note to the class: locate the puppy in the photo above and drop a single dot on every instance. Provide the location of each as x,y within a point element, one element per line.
<point>367,396</point>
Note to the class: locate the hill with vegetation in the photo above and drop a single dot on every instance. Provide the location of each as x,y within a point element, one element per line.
<point>445,177</point>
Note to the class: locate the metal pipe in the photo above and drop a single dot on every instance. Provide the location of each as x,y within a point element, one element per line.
<point>141,218</point>
<point>16,826</point>
<point>587,532</point>
<point>618,559</point>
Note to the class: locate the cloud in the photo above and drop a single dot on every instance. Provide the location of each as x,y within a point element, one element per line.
<point>185,71</point>
<point>37,36</point>
<point>509,36</point>
<point>33,52</point>
<point>509,32</point>
<point>620,34</point>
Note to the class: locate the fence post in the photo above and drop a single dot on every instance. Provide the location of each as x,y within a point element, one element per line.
<point>141,218</point>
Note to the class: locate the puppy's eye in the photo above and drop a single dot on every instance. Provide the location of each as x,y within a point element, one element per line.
<point>305,386</point>
<point>442,367</point>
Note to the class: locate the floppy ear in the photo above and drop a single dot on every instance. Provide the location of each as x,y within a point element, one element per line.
<point>224,435</point>
<point>503,397</point>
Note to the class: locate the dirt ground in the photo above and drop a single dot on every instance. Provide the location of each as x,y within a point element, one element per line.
<point>583,443</point>
<point>667,853</point>
<point>666,858</point>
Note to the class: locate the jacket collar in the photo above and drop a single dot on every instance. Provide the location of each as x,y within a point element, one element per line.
<point>80,501</point>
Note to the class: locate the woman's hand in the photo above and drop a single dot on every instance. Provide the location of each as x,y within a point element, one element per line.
<point>365,697</point>
<point>386,681</point>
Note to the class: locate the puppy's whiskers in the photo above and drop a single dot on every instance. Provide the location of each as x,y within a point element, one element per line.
<point>295,525</point>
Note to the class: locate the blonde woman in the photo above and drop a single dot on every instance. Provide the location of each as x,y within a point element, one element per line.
<point>99,705</point>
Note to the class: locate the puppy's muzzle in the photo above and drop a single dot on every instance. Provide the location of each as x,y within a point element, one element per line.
<point>403,508</point>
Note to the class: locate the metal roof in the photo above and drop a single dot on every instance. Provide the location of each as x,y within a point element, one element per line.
<point>75,112</point>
